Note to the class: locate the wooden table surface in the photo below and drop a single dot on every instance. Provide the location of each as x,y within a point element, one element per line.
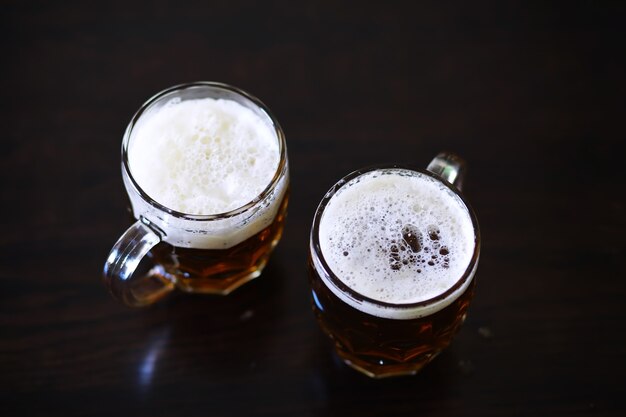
<point>532,95</point>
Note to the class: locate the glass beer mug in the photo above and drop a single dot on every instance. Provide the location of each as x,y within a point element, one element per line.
<point>393,253</point>
<point>206,172</point>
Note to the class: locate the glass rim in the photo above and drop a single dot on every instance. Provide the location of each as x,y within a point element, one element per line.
<point>280,136</point>
<point>320,261</point>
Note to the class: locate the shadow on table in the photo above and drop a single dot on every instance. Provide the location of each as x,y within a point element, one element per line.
<point>206,339</point>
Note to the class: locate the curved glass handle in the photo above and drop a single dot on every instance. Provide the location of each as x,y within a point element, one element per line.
<point>450,167</point>
<point>129,272</point>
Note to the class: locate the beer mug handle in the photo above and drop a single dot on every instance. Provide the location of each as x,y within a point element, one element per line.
<point>129,272</point>
<point>450,167</point>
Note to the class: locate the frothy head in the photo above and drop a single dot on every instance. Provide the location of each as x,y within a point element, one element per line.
<point>203,156</point>
<point>213,159</point>
<point>396,236</point>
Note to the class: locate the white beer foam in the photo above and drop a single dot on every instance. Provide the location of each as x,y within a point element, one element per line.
<point>205,157</point>
<point>396,236</point>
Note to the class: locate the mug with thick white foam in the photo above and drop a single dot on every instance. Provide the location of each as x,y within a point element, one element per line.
<point>393,253</point>
<point>206,171</point>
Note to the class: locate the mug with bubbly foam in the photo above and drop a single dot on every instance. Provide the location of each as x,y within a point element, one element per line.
<point>206,171</point>
<point>393,253</point>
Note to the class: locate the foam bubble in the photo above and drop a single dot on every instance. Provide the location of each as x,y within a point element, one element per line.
<point>396,236</point>
<point>203,156</point>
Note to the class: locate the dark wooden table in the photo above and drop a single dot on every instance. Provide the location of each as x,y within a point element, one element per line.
<point>532,95</point>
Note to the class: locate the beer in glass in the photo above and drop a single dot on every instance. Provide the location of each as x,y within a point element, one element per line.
<point>206,171</point>
<point>393,253</point>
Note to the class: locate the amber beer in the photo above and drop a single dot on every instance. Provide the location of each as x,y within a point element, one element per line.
<point>220,271</point>
<point>393,254</point>
<point>206,171</point>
